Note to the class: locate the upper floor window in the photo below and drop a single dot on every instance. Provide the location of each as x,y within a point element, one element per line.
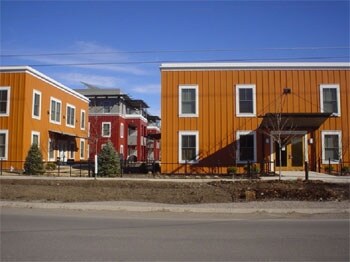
<point>55,110</point>
<point>188,146</point>
<point>106,129</point>
<point>246,146</point>
<point>4,100</point>
<point>121,130</point>
<point>70,115</point>
<point>330,99</point>
<point>188,100</point>
<point>107,108</point>
<point>82,119</point>
<point>331,146</point>
<point>3,144</point>
<point>36,112</point>
<point>245,100</point>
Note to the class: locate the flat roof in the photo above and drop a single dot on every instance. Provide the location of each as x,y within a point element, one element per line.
<point>254,66</point>
<point>37,74</point>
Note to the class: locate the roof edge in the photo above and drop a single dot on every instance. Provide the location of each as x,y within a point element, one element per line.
<point>254,66</point>
<point>36,73</point>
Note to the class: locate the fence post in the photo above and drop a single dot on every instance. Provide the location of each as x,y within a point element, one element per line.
<point>329,166</point>
<point>1,166</point>
<point>319,165</point>
<point>185,167</point>
<point>248,170</point>
<point>306,171</point>
<point>341,166</point>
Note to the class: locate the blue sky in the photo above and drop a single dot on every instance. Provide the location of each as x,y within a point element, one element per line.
<point>111,34</point>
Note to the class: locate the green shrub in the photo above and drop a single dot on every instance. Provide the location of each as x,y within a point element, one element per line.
<point>108,161</point>
<point>34,161</point>
<point>51,166</point>
<point>231,170</point>
<point>345,169</point>
<point>254,169</point>
<point>329,169</point>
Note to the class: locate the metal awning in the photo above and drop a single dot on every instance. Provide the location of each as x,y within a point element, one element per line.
<point>61,133</point>
<point>294,120</point>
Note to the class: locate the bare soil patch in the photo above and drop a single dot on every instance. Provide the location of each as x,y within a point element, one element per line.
<point>169,192</point>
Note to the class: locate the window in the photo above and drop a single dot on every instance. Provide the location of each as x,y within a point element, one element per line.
<point>188,100</point>
<point>246,146</point>
<point>51,149</point>
<point>121,151</point>
<point>71,150</point>
<point>36,112</point>
<point>107,107</point>
<point>70,115</point>
<point>330,99</point>
<point>55,110</point>
<point>245,100</point>
<point>36,138</point>
<point>82,119</point>
<point>188,146</point>
<point>82,149</point>
<point>121,130</point>
<point>4,101</point>
<point>331,146</point>
<point>3,144</point>
<point>106,129</point>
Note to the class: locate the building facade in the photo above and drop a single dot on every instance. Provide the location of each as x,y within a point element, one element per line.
<point>216,115</point>
<point>115,117</point>
<point>37,109</point>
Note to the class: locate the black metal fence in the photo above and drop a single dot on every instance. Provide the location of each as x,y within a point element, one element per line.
<point>333,167</point>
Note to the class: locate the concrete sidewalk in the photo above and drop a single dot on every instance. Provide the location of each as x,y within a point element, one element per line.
<point>254,207</point>
<point>286,175</point>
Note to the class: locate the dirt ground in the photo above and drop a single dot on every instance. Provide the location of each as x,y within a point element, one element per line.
<point>170,192</point>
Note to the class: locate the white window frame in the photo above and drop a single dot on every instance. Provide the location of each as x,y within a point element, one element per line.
<point>56,101</point>
<point>245,86</point>
<point>121,130</point>
<point>8,88</point>
<point>188,133</point>
<point>82,119</point>
<point>36,92</point>
<point>48,151</point>
<point>182,87</point>
<point>82,149</point>
<point>35,133</point>
<point>67,118</point>
<point>331,132</point>
<point>110,127</point>
<point>6,132</point>
<point>333,86</point>
<point>238,135</point>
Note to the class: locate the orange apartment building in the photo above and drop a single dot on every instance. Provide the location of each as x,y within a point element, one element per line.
<point>216,115</point>
<point>37,109</point>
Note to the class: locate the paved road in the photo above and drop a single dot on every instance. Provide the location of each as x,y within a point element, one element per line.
<point>63,235</point>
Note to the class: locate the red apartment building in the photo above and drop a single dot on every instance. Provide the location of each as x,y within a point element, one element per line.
<point>115,117</point>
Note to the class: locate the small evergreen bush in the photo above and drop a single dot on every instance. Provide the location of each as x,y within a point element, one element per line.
<point>34,161</point>
<point>50,166</point>
<point>108,161</point>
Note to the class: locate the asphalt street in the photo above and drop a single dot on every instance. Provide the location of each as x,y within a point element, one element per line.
<point>67,235</point>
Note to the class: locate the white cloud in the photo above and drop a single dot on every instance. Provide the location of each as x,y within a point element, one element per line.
<point>147,89</point>
<point>99,57</point>
<point>75,79</point>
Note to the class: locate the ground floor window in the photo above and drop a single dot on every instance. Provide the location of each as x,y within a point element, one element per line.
<point>331,146</point>
<point>35,138</point>
<point>82,149</point>
<point>3,144</point>
<point>51,149</point>
<point>246,146</point>
<point>188,146</point>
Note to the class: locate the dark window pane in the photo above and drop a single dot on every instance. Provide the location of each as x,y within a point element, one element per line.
<point>246,100</point>
<point>246,147</point>
<point>188,101</point>
<point>330,103</point>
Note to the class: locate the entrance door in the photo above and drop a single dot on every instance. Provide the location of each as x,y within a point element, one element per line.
<point>292,154</point>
